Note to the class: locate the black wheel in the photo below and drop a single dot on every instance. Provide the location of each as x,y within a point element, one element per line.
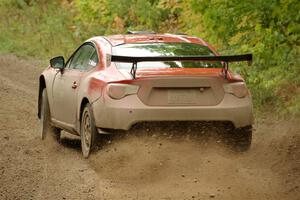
<point>88,131</point>
<point>242,138</point>
<point>45,119</point>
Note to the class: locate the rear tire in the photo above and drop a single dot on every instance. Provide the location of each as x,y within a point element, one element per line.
<point>45,119</point>
<point>242,138</point>
<point>88,131</point>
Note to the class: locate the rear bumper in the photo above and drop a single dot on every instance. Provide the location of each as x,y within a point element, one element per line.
<point>122,114</point>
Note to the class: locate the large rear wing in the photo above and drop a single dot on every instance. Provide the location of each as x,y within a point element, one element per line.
<point>224,59</point>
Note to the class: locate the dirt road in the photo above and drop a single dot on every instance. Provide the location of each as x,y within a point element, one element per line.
<point>141,165</point>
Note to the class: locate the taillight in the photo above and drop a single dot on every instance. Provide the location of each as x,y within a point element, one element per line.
<point>118,91</point>
<point>238,89</point>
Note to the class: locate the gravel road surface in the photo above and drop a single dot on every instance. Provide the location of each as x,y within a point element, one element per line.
<point>141,164</point>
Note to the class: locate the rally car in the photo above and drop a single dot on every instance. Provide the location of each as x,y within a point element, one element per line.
<point>114,82</point>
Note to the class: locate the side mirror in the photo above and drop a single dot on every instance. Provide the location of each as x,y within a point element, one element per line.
<point>57,62</point>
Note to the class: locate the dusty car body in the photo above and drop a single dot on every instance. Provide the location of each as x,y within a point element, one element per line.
<point>114,82</point>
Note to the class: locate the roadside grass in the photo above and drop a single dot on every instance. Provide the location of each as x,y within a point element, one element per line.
<point>39,31</point>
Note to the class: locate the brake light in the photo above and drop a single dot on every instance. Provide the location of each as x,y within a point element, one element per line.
<point>238,89</point>
<point>119,91</point>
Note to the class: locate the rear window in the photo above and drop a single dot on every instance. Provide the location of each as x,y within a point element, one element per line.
<point>165,49</point>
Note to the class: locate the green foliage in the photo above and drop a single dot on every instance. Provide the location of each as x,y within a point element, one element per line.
<point>270,29</point>
<point>35,28</point>
<point>111,17</point>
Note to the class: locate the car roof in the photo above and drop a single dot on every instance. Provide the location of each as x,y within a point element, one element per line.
<point>116,40</point>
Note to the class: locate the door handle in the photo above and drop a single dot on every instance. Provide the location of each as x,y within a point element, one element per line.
<point>74,86</point>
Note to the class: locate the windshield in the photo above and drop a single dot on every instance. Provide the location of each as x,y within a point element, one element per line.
<point>165,49</point>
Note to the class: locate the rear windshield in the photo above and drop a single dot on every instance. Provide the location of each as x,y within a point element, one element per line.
<point>165,49</point>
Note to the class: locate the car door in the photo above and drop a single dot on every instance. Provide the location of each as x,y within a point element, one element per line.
<point>66,85</point>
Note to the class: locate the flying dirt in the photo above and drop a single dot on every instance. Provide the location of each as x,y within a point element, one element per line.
<point>185,162</point>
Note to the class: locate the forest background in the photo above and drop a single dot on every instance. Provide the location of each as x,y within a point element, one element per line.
<point>270,29</point>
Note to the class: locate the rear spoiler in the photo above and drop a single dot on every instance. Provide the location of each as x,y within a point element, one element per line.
<point>225,59</point>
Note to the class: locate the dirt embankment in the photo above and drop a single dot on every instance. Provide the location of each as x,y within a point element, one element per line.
<point>141,165</point>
